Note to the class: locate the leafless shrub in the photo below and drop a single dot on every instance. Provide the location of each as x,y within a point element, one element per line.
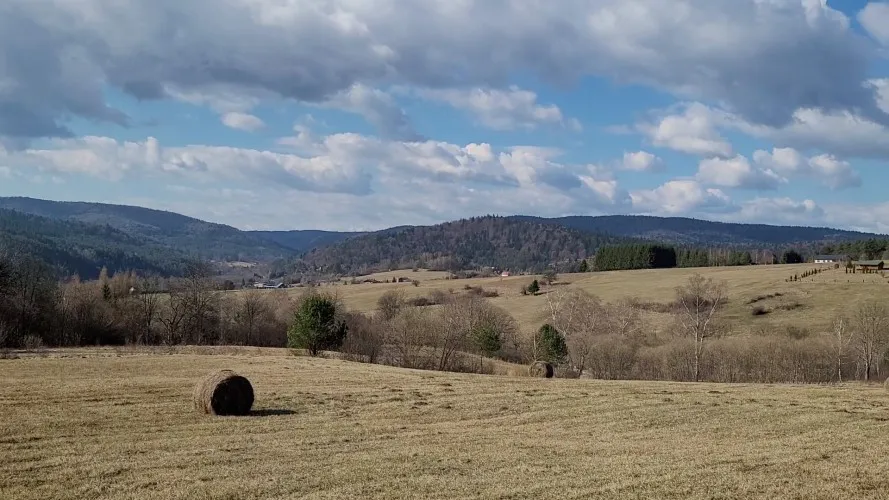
<point>390,303</point>
<point>759,311</point>
<point>365,338</point>
<point>420,302</point>
<point>408,337</point>
<point>657,307</point>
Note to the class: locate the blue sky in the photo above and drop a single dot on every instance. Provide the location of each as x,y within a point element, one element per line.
<point>357,115</point>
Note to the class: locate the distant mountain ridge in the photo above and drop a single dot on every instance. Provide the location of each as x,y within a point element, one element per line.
<point>82,237</point>
<point>697,232</point>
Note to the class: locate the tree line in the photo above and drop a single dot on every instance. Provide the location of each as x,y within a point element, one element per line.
<point>450,330</point>
<point>655,256</point>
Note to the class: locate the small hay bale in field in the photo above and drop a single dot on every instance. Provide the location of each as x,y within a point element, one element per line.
<point>224,393</point>
<point>541,369</point>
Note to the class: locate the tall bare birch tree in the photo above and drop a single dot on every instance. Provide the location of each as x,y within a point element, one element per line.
<point>697,304</point>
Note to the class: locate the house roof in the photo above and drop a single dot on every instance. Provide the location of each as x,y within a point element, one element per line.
<point>831,257</point>
<point>869,262</point>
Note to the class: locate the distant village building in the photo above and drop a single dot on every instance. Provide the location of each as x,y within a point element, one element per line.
<point>269,284</point>
<point>831,259</point>
<point>504,274</point>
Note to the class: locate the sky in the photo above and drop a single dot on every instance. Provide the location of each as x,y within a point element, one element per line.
<point>366,114</point>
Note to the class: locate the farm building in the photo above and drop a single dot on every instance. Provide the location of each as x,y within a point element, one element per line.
<point>269,284</point>
<point>869,266</point>
<point>831,259</point>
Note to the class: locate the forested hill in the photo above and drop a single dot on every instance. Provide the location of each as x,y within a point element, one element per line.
<point>470,243</point>
<point>82,237</point>
<point>694,232</point>
<point>193,236</point>
<point>72,247</point>
<point>304,240</point>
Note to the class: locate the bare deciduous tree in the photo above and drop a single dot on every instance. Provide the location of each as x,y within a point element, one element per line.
<point>407,334</point>
<point>251,310</point>
<point>147,304</point>
<point>173,315</point>
<point>871,335</point>
<point>697,304</point>
<point>625,320</point>
<point>841,338</point>
<point>583,320</point>
<point>201,304</point>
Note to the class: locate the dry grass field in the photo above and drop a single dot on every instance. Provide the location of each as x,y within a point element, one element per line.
<point>811,303</point>
<point>100,426</point>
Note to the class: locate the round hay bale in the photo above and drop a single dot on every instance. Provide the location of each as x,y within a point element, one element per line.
<point>224,393</point>
<point>541,369</point>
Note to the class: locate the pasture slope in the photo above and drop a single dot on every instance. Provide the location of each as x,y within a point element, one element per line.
<point>811,303</point>
<point>102,426</point>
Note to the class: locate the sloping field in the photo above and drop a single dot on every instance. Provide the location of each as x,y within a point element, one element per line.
<point>810,303</point>
<point>123,427</point>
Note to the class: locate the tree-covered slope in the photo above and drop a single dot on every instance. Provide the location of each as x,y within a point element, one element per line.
<point>685,231</point>
<point>72,247</point>
<point>469,243</point>
<point>194,236</point>
<point>304,240</point>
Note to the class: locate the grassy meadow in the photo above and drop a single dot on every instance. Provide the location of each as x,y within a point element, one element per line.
<point>811,303</point>
<point>88,423</point>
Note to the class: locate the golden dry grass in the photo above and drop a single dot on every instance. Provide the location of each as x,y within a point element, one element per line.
<point>811,303</point>
<point>106,427</point>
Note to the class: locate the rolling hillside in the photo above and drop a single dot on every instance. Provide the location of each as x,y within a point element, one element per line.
<point>72,247</point>
<point>82,237</point>
<point>470,243</point>
<point>193,236</point>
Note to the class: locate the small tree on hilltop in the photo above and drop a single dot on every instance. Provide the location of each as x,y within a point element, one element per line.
<point>534,287</point>
<point>316,326</point>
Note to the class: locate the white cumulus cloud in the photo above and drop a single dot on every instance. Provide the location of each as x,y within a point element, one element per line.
<point>242,121</point>
<point>736,172</point>
<point>681,197</point>
<point>502,109</point>
<point>641,161</point>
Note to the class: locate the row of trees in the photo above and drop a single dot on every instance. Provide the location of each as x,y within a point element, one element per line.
<point>653,256</point>
<point>867,249</point>
<point>460,334</point>
<point>616,257</point>
<point>35,309</point>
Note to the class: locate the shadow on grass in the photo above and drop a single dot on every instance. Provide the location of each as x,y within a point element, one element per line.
<point>270,412</point>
